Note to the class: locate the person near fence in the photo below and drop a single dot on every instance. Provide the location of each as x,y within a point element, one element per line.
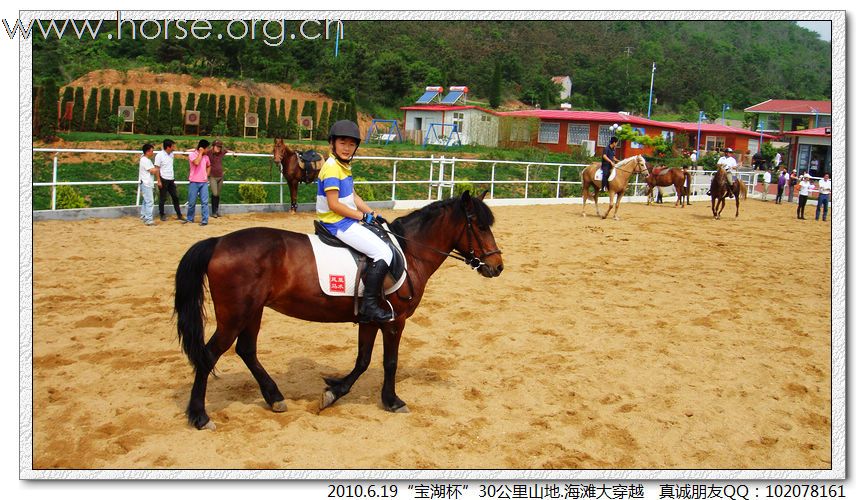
<point>199,168</point>
<point>767,180</point>
<point>146,171</point>
<point>729,163</point>
<point>165,161</point>
<point>782,181</point>
<point>805,189</point>
<point>777,160</point>
<point>215,154</point>
<point>824,188</point>
<point>791,184</point>
<point>345,215</point>
<point>607,161</point>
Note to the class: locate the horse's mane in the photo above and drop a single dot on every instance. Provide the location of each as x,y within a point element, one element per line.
<point>622,162</point>
<point>421,218</point>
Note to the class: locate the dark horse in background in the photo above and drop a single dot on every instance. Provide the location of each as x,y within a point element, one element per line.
<point>254,268</point>
<point>294,169</point>
<point>719,189</point>
<point>676,177</point>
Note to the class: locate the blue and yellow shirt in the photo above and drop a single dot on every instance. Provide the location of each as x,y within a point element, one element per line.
<point>334,175</point>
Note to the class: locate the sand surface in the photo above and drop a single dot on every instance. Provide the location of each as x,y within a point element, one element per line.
<point>604,344</point>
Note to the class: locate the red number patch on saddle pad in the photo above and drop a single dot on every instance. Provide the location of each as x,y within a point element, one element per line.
<point>337,283</point>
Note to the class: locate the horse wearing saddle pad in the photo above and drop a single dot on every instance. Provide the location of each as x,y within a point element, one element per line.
<point>599,175</point>
<point>341,267</point>
<point>311,162</point>
<point>660,170</point>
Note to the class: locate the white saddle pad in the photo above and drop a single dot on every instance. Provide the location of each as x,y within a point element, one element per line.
<point>337,270</point>
<point>599,174</point>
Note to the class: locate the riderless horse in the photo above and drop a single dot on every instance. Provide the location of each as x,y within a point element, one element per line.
<point>259,267</point>
<point>618,183</point>
<point>662,177</point>
<point>296,167</point>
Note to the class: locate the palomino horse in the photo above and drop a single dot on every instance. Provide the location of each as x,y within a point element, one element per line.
<point>626,168</point>
<point>718,191</point>
<point>292,170</point>
<point>662,177</point>
<point>259,267</point>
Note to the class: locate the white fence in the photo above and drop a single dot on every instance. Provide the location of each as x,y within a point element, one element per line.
<point>444,175</point>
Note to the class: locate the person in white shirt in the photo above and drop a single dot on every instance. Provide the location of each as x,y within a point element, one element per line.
<point>146,170</point>
<point>728,163</point>
<point>805,189</point>
<point>165,161</point>
<point>777,160</point>
<point>825,189</point>
<point>694,157</point>
<point>767,180</point>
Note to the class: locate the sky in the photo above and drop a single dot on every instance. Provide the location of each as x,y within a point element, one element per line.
<point>823,28</point>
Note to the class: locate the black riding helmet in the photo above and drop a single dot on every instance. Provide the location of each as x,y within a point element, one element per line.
<point>345,128</point>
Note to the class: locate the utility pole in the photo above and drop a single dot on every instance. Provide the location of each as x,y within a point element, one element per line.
<point>628,51</point>
<point>651,87</point>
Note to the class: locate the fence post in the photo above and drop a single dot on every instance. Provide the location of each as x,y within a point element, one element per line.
<point>441,177</point>
<point>558,181</point>
<point>493,183</point>
<point>431,164</point>
<point>280,187</point>
<point>54,185</point>
<point>526,195</point>
<point>393,186</point>
<point>453,180</point>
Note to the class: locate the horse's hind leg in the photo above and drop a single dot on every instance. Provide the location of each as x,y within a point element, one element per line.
<point>391,334</point>
<point>246,348</point>
<point>339,387</point>
<point>216,346</point>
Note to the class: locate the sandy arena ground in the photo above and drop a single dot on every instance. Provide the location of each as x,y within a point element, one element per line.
<point>604,344</point>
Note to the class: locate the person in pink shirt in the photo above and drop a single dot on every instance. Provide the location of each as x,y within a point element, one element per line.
<point>199,169</point>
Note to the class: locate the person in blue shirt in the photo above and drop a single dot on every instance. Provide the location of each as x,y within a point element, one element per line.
<point>607,161</point>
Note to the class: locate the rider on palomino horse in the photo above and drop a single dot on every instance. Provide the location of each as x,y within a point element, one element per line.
<point>607,161</point>
<point>730,165</point>
<point>343,213</point>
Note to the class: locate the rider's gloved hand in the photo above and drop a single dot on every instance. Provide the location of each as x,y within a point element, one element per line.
<point>368,218</point>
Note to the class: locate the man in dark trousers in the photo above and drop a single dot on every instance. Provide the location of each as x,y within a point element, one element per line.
<point>607,162</point>
<point>165,162</point>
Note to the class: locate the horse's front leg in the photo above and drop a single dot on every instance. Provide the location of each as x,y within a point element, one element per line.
<point>339,387</point>
<point>651,189</point>
<point>391,334</point>
<point>293,188</point>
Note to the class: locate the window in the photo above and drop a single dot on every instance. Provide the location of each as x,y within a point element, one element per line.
<point>418,123</point>
<point>577,132</point>
<point>549,133</point>
<point>713,142</point>
<point>668,135</point>
<point>458,121</point>
<point>641,131</point>
<point>486,118</point>
<point>769,122</point>
<point>604,134</point>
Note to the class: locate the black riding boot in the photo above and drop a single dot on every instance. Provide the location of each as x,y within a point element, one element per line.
<point>372,283</point>
<point>729,191</point>
<point>216,206</point>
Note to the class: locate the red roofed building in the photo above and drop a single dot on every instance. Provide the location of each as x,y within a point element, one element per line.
<point>778,115</point>
<point>716,136</point>
<point>811,150</point>
<point>561,130</point>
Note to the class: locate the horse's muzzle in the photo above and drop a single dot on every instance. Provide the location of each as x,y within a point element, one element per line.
<point>488,271</point>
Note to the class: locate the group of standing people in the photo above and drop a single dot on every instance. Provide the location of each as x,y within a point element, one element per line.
<point>824,190</point>
<point>205,180</point>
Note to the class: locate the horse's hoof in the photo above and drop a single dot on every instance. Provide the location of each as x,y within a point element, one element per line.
<point>401,409</point>
<point>327,399</point>
<point>584,214</point>
<point>615,217</point>
<point>209,426</point>
<point>279,407</point>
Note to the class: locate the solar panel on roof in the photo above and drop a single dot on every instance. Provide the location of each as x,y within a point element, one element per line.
<point>452,97</point>
<point>427,97</point>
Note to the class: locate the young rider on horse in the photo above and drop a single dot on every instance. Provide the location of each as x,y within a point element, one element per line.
<point>607,161</point>
<point>729,164</point>
<point>343,213</point>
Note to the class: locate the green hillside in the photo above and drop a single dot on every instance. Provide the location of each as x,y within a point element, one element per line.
<point>385,64</point>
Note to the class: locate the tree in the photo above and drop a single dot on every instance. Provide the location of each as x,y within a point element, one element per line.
<point>153,113</point>
<point>190,102</point>
<point>322,128</point>
<point>495,89</point>
<point>231,117</point>
<point>129,98</point>
<point>48,111</point>
<point>78,110</point>
<point>220,110</point>
<point>142,121</point>
<point>332,118</point>
<point>352,110</point>
<point>239,124</point>
<point>68,96</point>
<point>261,109</point>
<point>313,113</point>
<point>291,127</point>
<point>272,120</point>
<point>89,124</point>
<point>164,114</point>
<point>176,114</point>
<point>211,113</point>
<point>115,102</point>
<point>104,111</point>
<point>201,107</point>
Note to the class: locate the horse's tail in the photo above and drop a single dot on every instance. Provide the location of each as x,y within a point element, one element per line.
<point>189,303</point>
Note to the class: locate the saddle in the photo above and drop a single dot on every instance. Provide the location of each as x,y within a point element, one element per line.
<point>311,162</point>
<point>397,265</point>
<point>656,171</point>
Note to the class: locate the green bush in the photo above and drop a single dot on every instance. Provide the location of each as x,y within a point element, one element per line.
<point>462,185</point>
<point>252,193</point>
<point>365,191</point>
<point>69,197</point>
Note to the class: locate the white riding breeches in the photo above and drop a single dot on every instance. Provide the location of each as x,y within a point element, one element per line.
<point>366,242</point>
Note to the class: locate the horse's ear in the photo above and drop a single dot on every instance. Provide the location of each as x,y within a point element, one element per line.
<point>483,195</point>
<point>466,197</point>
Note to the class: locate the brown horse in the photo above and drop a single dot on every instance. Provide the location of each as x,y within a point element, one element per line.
<point>292,170</point>
<point>626,168</point>
<point>718,190</point>
<point>676,177</point>
<point>254,268</point>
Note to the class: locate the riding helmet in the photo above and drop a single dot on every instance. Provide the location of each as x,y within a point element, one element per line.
<point>344,128</point>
